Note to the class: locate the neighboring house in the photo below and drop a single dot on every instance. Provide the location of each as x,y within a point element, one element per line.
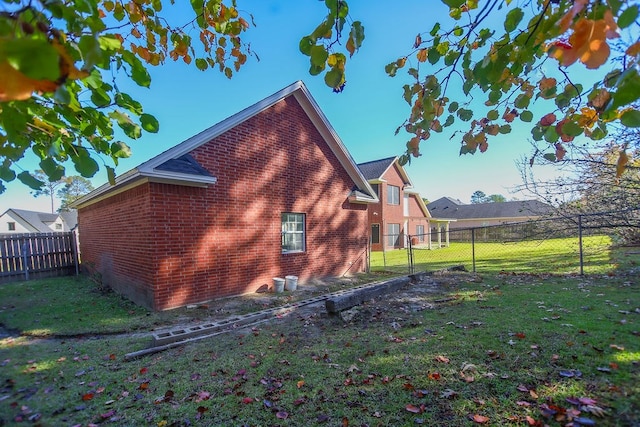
<point>268,192</point>
<point>23,221</point>
<point>401,212</point>
<point>484,214</point>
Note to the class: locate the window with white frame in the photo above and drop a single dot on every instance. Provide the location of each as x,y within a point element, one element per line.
<point>393,195</point>
<point>420,233</point>
<point>11,226</point>
<point>293,232</point>
<point>393,235</point>
<point>58,226</point>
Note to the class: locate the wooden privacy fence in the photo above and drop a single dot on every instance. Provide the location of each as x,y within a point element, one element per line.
<point>37,255</point>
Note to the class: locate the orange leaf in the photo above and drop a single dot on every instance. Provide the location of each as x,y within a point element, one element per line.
<point>480,419</point>
<point>300,383</point>
<point>566,20</point>
<point>634,49</point>
<point>412,408</point>
<point>15,86</point>
<point>87,396</point>
<point>422,55</point>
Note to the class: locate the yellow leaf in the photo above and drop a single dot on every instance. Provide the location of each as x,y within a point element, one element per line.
<point>623,159</point>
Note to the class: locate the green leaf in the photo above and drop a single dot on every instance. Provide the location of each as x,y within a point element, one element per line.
<point>149,123</point>
<point>130,129</point>
<point>111,175</point>
<point>628,89</point>
<point>6,174</point>
<point>550,134</point>
<point>449,121</point>
<point>505,129</point>
<point>526,116</point>
<point>571,128</point>
<point>522,101</point>
<point>109,42</point>
<point>54,170</point>
<point>513,19</point>
<point>598,134</point>
<point>84,163</point>
<point>306,43</point>
<point>391,69</point>
<point>493,114</point>
<point>494,96</point>
<point>100,98</point>
<point>35,58</point>
<point>28,179</point>
<point>201,64</point>
<point>334,78</point>
<point>91,53</point>
<point>628,17</point>
<point>465,115</point>
<point>550,157</point>
<point>631,118</point>
<point>120,150</point>
<point>537,133</point>
<point>319,55</point>
<point>125,101</point>
<point>433,56</point>
<point>139,73</point>
<point>454,3</point>
<point>435,29</point>
<point>453,107</point>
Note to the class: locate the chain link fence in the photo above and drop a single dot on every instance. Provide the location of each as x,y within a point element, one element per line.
<point>572,244</point>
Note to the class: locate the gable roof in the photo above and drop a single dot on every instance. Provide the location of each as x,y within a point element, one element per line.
<point>451,208</point>
<point>37,222</point>
<point>376,169</point>
<point>176,166</point>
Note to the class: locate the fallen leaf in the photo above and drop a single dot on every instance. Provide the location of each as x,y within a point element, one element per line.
<point>283,415</point>
<point>412,408</point>
<point>480,419</point>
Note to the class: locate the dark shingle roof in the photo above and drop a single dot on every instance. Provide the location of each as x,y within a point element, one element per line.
<point>375,169</point>
<point>451,208</point>
<point>184,164</point>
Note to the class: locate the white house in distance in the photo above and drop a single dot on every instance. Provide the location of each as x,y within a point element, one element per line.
<point>14,221</point>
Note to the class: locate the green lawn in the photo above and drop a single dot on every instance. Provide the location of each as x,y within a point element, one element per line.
<point>495,349</point>
<point>535,256</point>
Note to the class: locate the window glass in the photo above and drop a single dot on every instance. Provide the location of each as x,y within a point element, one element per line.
<point>293,232</point>
<point>393,235</point>
<point>375,233</point>
<point>11,226</point>
<point>393,195</point>
<point>420,233</point>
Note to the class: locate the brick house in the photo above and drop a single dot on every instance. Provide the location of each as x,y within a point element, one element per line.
<point>401,211</point>
<point>268,192</point>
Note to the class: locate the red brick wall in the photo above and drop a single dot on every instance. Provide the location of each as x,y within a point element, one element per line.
<point>117,243</point>
<point>384,213</point>
<point>225,240</point>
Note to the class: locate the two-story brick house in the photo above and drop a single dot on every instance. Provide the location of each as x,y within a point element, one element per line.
<point>401,212</point>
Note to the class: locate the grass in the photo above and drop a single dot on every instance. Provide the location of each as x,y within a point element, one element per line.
<point>535,256</point>
<point>506,349</point>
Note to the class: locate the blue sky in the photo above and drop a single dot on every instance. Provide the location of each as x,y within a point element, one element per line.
<point>365,116</point>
